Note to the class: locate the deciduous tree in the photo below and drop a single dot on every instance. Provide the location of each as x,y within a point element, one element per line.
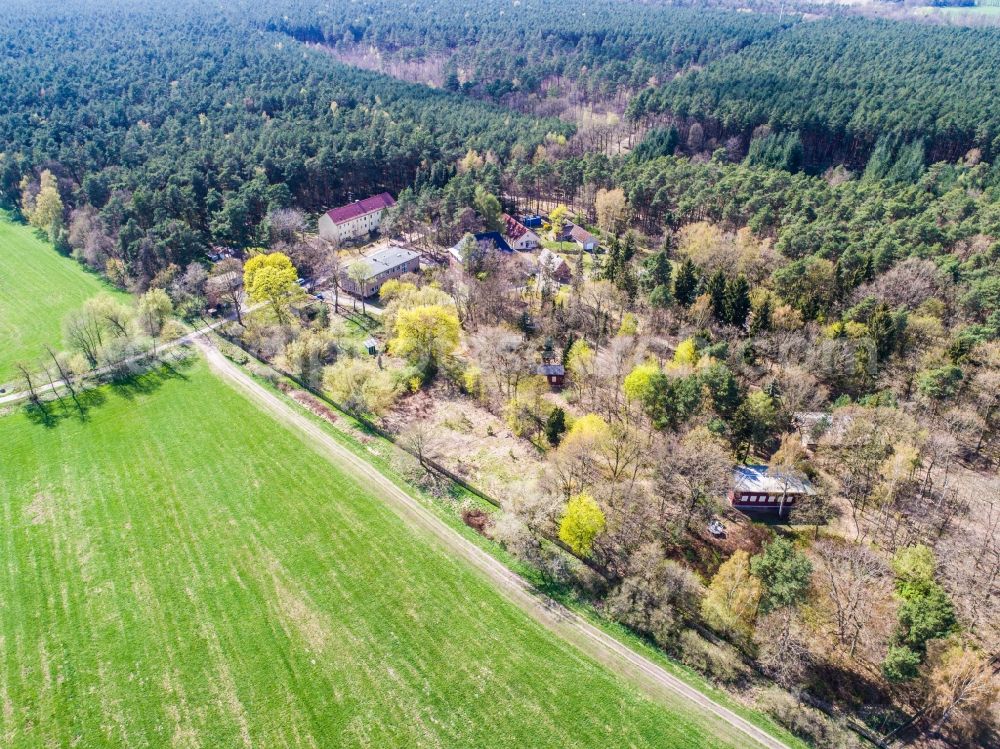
<point>582,521</point>
<point>733,598</point>
<point>426,334</point>
<point>273,279</point>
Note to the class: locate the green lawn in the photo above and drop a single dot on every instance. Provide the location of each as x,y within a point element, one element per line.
<point>38,286</point>
<point>180,570</point>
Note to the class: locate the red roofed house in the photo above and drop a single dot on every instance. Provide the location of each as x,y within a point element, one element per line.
<point>355,219</point>
<point>519,236</point>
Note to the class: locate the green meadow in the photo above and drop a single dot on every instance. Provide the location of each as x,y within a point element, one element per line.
<point>38,286</point>
<point>181,570</point>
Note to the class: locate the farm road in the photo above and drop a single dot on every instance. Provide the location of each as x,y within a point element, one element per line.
<point>651,678</point>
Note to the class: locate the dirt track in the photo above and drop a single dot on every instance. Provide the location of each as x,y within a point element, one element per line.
<point>644,673</point>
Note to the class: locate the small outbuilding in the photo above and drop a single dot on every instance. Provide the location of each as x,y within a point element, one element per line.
<point>554,374</point>
<point>371,345</point>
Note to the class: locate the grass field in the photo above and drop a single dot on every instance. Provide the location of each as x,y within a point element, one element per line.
<point>38,286</point>
<point>180,570</point>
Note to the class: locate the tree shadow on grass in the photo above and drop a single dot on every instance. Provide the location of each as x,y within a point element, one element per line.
<point>50,414</point>
<point>129,385</point>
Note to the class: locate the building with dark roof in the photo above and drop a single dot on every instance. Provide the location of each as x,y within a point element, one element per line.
<point>354,220</point>
<point>554,374</point>
<point>486,240</point>
<point>583,238</point>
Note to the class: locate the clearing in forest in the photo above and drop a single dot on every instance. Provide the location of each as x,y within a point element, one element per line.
<point>181,569</point>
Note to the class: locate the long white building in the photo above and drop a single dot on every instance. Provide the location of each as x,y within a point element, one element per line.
<point>354,220</point>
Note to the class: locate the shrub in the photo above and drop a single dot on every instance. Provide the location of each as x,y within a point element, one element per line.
<point>721,663</point>
<point>807,722</point>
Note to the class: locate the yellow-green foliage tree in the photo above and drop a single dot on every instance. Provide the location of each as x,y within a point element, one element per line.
<point>393,288</point>
<point>580,364</point>
<point>426,334</point>
<point>272,279</point>
<point>404,295</point>
<point>45,210</point>
<point>589,429</point>
<point>360,386</point>
<point>733,598</point>
<point>154,309</point>
<point>557,216</point>
<point>612,209</point>
<point>638,384</point>
<point>582,521</point>
<point>629,326</point>
<point>686,353</point>
<point>307,354</point>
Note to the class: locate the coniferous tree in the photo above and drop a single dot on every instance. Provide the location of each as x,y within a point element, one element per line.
<point>628,282</point>
<point>760,322</point>
<point>686,284</point>
<point>657,271</point>
<point>716,290</point>
<point>613,260</point>
<point>882,329</point>
<point>628,247</point>
<point>737,301</point>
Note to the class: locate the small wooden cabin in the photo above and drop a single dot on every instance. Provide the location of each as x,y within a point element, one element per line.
<point>554,374</point>
<point>759,488</point>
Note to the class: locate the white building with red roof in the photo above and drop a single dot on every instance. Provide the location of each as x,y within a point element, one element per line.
<point>519,236</point>
<point>355,219</point>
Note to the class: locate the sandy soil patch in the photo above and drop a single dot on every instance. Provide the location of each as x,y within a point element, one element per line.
<point>41,509</point>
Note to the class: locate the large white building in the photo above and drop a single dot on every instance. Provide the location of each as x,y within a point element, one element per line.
<point>354,220</point>
<point>391,262</point>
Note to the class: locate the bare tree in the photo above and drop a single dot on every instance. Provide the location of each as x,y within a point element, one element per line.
<point>854,583</point>
<point>504,356</point>
<point>65,373</point>
<point>419,439</point>
<point>84,332</point>
<point>29,383</point>
<point>783,646</point>
<point>286,224</point>
<point>226,283</point>
<point>692,474</point>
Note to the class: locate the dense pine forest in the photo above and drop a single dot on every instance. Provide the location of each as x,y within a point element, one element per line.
<point>497,51</point>
<point>845,84</point>
<point>796,262</point>
<point>177,131</point>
